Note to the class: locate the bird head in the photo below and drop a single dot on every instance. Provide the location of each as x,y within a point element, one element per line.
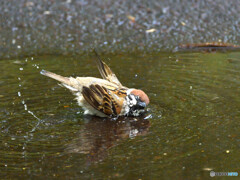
<point>137,100</point>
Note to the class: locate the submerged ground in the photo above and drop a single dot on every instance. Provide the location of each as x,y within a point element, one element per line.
<point>191,127</point>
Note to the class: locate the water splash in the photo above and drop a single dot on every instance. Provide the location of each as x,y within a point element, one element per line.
<point>23,101</point>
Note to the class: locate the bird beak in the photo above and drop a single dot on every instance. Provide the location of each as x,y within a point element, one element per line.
<point>142,105</point>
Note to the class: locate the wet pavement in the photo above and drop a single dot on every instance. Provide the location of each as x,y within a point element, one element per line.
<point>74,26</point>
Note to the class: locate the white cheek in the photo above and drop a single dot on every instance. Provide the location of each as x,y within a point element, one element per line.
<point>132,102</point>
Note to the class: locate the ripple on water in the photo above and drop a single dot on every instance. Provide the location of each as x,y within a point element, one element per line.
<point>194,115</point>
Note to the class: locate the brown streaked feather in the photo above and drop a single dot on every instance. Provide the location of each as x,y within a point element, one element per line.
<point>97,98</point>
<point>96,90</point>
<point>117,101</point>
<point>99,88</point>
<point>106,72</point>
<point>90,97</point>
<point>103,99</point>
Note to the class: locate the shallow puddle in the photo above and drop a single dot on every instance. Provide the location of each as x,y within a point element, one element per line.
<point>191,127</point>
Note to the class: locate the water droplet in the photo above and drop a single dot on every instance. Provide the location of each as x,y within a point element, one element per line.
<point>47,12</point>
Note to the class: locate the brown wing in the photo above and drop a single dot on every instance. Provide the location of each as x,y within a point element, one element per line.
<point>106,72</point>
<point>103,100</point>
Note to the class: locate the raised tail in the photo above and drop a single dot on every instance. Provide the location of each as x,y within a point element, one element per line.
<point>57,77</point>
<point>69,83</point>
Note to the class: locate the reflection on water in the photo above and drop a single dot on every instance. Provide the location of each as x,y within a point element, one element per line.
<point>98,135</point>
<point>193,128</point>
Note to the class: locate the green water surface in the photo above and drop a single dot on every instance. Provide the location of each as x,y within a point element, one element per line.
<point>191,127</point>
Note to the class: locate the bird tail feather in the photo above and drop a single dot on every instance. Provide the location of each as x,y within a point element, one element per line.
<point>57,77</point>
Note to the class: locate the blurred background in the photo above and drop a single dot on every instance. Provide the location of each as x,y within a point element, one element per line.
<point>30,27</point>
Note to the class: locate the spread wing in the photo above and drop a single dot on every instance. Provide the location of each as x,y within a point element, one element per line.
<point>102,99</point>
<point>106,72</point>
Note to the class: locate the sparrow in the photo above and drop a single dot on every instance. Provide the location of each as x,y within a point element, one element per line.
<point>105,97</point>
